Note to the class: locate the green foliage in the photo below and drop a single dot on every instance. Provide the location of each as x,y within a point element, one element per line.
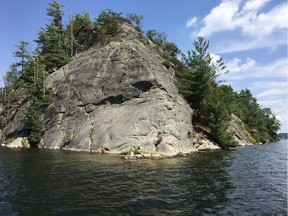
<point>157,37</point>
<point>78,34</point>
<point>34,124</point>
<point>172,49</point>
<point>263,124</point>
<point>136,20</point>
<point>22,52</point>
<point>56,13</point>
<point>213,104</point>
<point>109,22</point>
<point>167,64</point>
<point>11,76</point>
<point>51,43</point>
<point>38,97</point>
<point>215,114</point>
<point>202,72</point>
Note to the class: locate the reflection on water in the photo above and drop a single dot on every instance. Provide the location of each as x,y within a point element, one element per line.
<point>249,181</point>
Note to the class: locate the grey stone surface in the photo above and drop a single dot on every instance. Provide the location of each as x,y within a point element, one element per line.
<point>20,142</point>
<point>239,134</point>
<point>118,96</point>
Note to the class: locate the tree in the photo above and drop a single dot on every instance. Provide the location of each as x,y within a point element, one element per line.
<point>172,49</point>
<point>11,76</point>
<point>272,123</point>
<point>151,33</point>
<point>38,99</point>
<point>109,22</point>
<point>157,37</point>
<point>202,72</point>
<point>56,13</point>
<point>22,53</point>
<point>215,114</point>
<point>51,40</point>
<point>79,33</point>
<point>136,20</point>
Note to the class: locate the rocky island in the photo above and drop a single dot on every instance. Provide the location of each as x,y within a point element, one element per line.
<point>118,95</point>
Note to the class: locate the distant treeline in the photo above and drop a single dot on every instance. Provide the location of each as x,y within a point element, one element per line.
<point>283,135</point>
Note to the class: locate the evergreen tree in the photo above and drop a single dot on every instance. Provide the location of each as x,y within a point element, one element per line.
<point>79,33</point>
<point>51,43</point>
<point>38,99</point>
<point>11,76</point>
<point>194,83</point>
<point>109,22</point>
<point>22,53</point>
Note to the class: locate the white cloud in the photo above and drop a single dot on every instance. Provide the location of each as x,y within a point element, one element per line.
<point>235,65</point>
<point>272,93</point>
<point>236,44</point>
<point>229,15</point>
<point>239,70</point>
<point>215,57</point>
<point>220,18</point>
<point>274,69</point>
<point>254,4</point>
<point>262,24</point>
<point>191,22</point>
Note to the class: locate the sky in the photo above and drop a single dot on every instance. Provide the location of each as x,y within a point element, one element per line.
<point>249,35</point>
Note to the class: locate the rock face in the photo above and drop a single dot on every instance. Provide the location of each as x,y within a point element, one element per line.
<point>112,98</point>
<point>20,142</point>
<point>239,135</point>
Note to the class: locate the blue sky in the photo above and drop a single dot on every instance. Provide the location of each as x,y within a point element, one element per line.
<point>250,35</point>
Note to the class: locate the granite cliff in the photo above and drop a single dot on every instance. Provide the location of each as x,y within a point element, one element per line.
<point>115,97</point>
<point>111,98</point>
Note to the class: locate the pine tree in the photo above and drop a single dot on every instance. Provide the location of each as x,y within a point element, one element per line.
<point>22,52</point>
<point>51,40</point>
<point>193,84</point>
<point>38,99</point>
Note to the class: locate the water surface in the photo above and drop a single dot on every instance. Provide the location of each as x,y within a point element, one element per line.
<point>244,181</point>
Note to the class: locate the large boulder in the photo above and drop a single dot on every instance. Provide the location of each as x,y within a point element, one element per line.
<point>114,97</point>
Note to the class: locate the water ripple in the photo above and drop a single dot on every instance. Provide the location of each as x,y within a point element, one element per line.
<point>246,181</point>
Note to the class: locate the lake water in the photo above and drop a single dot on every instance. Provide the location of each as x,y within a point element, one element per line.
<point>244,181</point>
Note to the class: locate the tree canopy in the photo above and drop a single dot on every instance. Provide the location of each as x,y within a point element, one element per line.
<point>214,103</point>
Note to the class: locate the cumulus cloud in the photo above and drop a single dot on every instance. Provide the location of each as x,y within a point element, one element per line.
<point>254,5</point>
<point>215,57</point>
<point>220,18</point>
<point>249,68</point>
<point>263,24</point>
<point>235,65</point>
<point>246,15</point>
<point>191,22</point>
